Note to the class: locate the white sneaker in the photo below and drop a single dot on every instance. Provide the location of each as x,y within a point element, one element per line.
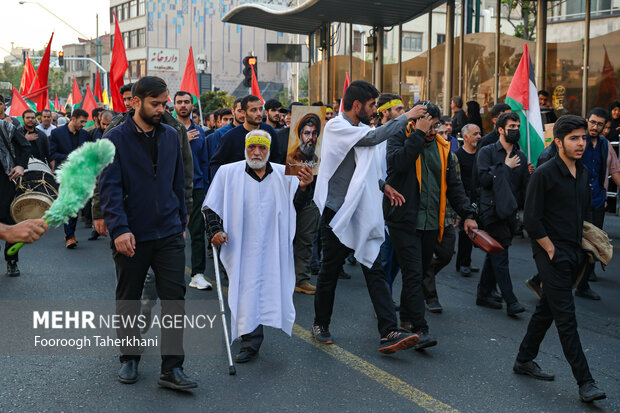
<point>198,281</point>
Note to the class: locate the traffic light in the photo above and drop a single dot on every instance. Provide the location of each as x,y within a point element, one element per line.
<point>61,58</point>
<point>248,63</point>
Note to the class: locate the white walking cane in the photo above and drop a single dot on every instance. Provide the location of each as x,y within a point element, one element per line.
<point>231,367</point>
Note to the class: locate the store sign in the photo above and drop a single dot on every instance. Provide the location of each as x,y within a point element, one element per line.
<point>163,59</point>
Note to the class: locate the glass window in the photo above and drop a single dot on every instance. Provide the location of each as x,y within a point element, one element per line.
<point>141,37</point>
<point>441,38</point>
<point>141,7</point>
<point>125,11</point>
<point>133,39</point>
<point>142,65</point>
<point>412,41</point>
<point>357,41</point>
<point>126,40</point>
<point>133,9</point>
<point>112,11</point>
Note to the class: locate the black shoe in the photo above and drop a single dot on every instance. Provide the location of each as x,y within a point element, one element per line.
<point>246,354</point>
<point>425,340</point>
<point>465,271</point>
<point>351,259</point>
<point>589,293</point>
<point>128,374</point>
<point>344,275</point>
<point>406,326</point>
<point>531,368</point>
<point>94,235</point>
<point>177,380</point>
<point>496,296</point>
<point>434,307</point>
<point>515,308</point>
<point>321,334</point>
<point>474,269</point>
<point>396,341</point>
<point>11,269</point>
<point>593,277</point>
<point>532,285</point>
<point>488,302</point>
<point>588,392</point>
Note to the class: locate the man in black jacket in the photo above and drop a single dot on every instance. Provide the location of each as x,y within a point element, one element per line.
<point>502,172</point>
<point>147,170</point>
<point>493,136</point>
<point>459,118</point>
<point>420,168</point>
<point>39,144</point>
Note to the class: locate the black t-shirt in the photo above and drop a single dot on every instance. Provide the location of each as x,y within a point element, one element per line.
<point>466,162</point>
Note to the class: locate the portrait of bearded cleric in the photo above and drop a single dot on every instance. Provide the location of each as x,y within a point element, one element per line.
<point>304,140</point>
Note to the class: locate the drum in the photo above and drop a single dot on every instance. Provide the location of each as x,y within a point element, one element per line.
<point>35,192</point>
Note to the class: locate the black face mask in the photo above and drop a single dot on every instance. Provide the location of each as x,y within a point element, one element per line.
<point>512,136</point>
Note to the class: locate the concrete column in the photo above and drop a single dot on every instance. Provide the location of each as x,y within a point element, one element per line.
<point>378,59</point>
<point>428,53</point>
<point>461,50</point>
<point>541,43</point>
<point>325,72</point>
<point>400,58</point>
<point>448,68</point>
<point>586,61</point>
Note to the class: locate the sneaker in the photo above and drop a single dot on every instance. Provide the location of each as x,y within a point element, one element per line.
<point>322,334</point>
<point>534,287</point>
<point>433,306</point>
<point>71,243</point>
<point>425,340</point>
<point>306,288</point>
<point>396,341</point>
<point>94,235</point>
<point>11,269</point>
<point>465,271</point>
<point>343,275</point>
<point>198,281</point>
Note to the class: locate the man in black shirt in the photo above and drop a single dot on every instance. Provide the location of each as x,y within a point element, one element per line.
<point>467,155</point>
<point>502,173</point>
<point>459,118</point>
<point>39,144</point>
<point>558,201</point>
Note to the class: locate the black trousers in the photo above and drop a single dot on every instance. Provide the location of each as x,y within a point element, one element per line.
<point>598,218</point>
<point>167,258</point>
<point>197,233</point>
<point>496,269</point>
<point>307,226</point>
<point>414,251</point>
<point>442,256</point>
<point>7,194</point>
<point>254,339</point>
<point>556,304</point>
<point>463,255</point>
<point>334,254</point>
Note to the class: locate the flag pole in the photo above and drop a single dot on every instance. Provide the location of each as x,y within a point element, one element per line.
<point>200,111</point>
<point>527,128</point>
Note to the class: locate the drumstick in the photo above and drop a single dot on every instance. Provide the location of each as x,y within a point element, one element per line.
<point>77,178</point>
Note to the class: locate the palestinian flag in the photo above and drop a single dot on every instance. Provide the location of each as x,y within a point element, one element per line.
<point>76,95</point>
<point>522,97</point>
<point>19,105</point>
<point>89,104</point>
<point>56,104</point>
<point>98,92</point>
<point>190,80</point>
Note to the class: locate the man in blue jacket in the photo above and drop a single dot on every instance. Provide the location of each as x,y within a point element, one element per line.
<point>142,200</point>
<point>213,140</point>
<point>64,140</point>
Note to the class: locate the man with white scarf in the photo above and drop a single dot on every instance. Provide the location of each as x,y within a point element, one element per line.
<point>251,209</point>
<point>349,195</point>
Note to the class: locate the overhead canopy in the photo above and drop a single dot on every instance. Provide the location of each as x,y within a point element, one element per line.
<point>310,15</point>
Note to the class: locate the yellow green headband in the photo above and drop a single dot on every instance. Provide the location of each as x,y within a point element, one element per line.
<point>329,109</point>
<point>257,140</point>
<point>390,104</point>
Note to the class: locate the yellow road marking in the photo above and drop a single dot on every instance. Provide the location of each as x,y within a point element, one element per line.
<point>371,371</point>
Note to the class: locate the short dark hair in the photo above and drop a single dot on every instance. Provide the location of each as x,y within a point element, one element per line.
<point>338,101</point>
<point>445,119</point>
<point>503,119</point>
<point>149,87</point>
<point>46,110</point>
<point>359,90</point>
<point>108,113</point>
<point>95,112</point>
<point>237,101</point>
<point>273,104</point>
<point>79,113</point>
<point>318,103</point>
<point>28,111</point>
<point>431,108</point>
<point>600,112</point>
<point>566,124</point>
<point>497,109</point>
<point>247,99</point>
<point>458,101</point>
<point>544,93</point>
<point>385,98</point>
<point>127,88</point>
<point>181,93</point>
<point>196,111</point>
<point>220,113</point>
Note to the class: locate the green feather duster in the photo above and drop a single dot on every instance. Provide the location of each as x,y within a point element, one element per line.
<point>77,178</point>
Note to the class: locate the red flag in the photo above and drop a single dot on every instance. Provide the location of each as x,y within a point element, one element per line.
<point>88,104</point>
<point>77,95</point>
<point>33,95</point>
<point>118,67</point>
<point>18,104</point>
<point>98,91</point>
<point>56,103</point>
<point>347,82</point>
<point>43,76</point>
<point>28,77</point>
<point>190,80</point>
<point>255,88</point>
<point>608,87</point>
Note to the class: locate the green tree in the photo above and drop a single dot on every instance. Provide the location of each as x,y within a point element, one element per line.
<point>525,27</point>
<point>211,101</point>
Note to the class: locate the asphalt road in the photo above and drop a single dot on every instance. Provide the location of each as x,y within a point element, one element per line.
<point>469,371</point>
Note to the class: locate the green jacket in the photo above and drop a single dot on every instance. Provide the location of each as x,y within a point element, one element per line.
<point>188,161</point>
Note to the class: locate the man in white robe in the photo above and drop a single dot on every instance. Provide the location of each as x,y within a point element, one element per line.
<point>251,208</point>
<point>349,195</point>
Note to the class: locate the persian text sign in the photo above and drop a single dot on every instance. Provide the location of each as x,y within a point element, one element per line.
<point>163,59</point>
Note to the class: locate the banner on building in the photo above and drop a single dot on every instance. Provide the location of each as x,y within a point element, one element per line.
<point>166,60</point>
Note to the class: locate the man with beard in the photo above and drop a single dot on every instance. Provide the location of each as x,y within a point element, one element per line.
<point>257,253</point>
<point>446,123</point>
<point>231,148</point>
<point>183,106</point>
<point>147,170</point>
<point>329,112</point>
<point>308,131</point>
<point>39,144</point>
<point>348,194</point>
<point>126,94</point>
<point>213,140</point>
<point>272,110</point>
<point>467,155</point>
<point>557,203</point>
<point>46,125</point>
<point>503,174</point>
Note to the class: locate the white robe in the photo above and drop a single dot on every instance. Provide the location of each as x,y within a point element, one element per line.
<point>259,218</point>
<point>359,222</point>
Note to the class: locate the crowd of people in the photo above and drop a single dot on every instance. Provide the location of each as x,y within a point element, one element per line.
<point>398,190</point>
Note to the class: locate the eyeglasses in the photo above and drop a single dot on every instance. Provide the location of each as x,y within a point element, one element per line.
<point>595,123</point>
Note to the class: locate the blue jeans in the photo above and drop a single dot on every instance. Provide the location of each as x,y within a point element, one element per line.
<point>70,228</point>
